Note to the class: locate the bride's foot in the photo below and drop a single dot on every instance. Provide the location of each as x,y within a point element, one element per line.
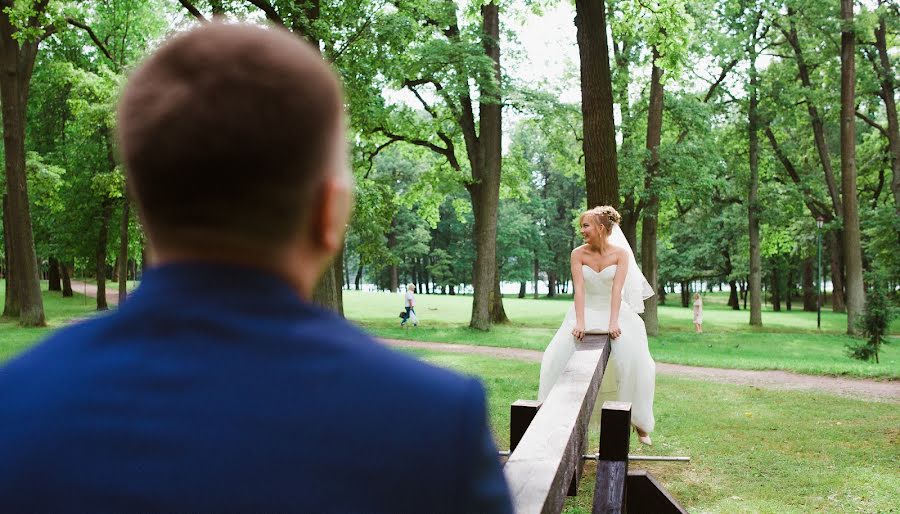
<point>643,437</point>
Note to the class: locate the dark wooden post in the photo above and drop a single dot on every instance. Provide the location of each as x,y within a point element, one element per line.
<point>521,412</point>
<point>612,466</point>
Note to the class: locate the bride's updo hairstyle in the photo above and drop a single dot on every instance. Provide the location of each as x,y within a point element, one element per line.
<point>604,215</point>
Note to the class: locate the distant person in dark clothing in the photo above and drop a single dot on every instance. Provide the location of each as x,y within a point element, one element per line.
<point>219,386</point>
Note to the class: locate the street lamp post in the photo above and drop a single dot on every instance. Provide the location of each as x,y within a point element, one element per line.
<point>819,287</point>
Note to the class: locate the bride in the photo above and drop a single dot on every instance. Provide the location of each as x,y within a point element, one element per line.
<point>609,294</point>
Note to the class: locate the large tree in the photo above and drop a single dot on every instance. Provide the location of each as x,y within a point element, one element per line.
<point>599,139</point>
<point>852,249</point>
<point>21,31</point>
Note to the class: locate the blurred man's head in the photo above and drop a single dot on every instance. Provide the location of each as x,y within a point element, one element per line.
<point>233,140</point>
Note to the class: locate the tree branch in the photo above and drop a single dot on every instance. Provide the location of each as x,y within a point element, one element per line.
<point>415,91</point>
<point>352,39</point>
<point>193,10</point>
<point>869,121</point>
<point>100,45</point>
<point>446,152</point>
<point>271,13</point>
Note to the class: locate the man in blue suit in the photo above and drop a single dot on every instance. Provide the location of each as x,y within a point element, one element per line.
<point>218,386</point>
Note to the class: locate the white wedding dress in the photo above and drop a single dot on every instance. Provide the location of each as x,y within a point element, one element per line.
<point>630,356</point>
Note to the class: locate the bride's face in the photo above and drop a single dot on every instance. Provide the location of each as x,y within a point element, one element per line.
<point>590,232</point>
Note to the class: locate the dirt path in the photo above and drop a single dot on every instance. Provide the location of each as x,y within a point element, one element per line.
<point>90,290</point>
<point>871,390</point>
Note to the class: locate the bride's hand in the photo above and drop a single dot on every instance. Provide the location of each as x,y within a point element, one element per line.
<point>614,330</point>
<point>578,332</point>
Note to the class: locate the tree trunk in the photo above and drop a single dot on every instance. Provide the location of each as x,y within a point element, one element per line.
<point>53,279</point>
<point>836,262</point>
<point>357,281</point>
<point>328,291</point>
<point>485,157</point>
<point>753,196</point>
<point>551,284</point>
<point>888,87</point>
<point>345,267</point>
<point>776,289</point>
<point>599,141</point>
<point>630,217</point>
<point>536,277</point>
<point>650,220</point>
<point>733,300</point>
<point>11,302</point>
<point>16,66</point>
<point>66,280</point>
<point>391,244</point>
<point>809,287</point>
<point>522,288</point>
<point>789,289</point>
<point>498,313</point>
<point>818,125</point>
<point>123,248</point>
<point>852,249</point>
<point>685,294</point>
<point>102,242</point>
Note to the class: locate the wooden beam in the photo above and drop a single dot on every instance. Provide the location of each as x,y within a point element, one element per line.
<point>541,468</point>
<point>645,494</point>
<point>612,466</point>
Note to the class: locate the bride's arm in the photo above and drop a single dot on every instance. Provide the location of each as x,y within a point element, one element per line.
<point>618,283</point>
<point>578,286</point>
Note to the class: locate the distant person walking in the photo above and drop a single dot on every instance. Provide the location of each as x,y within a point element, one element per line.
<point>698,313</point>
<point>410,305</point>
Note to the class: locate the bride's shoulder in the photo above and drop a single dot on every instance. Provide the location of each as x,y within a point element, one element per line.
<point>580,250</point>
<point>618,251</point>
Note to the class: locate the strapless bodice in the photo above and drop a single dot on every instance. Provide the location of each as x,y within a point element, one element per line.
<point>598,284</point>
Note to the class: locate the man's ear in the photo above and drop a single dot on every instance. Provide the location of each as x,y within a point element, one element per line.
<point>333,203</point>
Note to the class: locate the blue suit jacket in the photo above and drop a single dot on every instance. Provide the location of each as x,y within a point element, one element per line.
<point>215,388</point>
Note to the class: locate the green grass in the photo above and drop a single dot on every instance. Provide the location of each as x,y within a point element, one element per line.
<point>15,339</point>
<point>751,450</point>
<point>789,340</point>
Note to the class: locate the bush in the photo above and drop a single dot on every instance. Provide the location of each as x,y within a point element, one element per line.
<point>873,323</point>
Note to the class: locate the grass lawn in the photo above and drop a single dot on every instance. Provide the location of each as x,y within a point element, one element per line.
<point>15,339</point>
<point>751,450</point>
<point>788,340</point>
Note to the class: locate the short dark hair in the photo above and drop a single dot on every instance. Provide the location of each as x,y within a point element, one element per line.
<point>225,132</point>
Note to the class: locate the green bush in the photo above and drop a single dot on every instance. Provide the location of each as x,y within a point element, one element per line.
<point>873,323</point>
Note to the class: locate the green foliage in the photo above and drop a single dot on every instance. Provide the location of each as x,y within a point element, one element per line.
<point>874,321</point>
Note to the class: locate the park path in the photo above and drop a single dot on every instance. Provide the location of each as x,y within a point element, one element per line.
<point>112,294</point>
<point>872,390</point>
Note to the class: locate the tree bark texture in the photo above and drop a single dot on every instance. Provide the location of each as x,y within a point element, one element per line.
<point>599,140</point>
<point>650,220</point>
<point>753,198</point>
<point>66,280</point>
<point>809,285</point>
<point>733,301</point>
<point>11,299</point>
<point>53,279</point>
<point>102,242</point>
<point>16,66</point>
<point>484,153</point>
<point>357,281</point>
<point>123,248</point>
<point>498,313</point>
<point>328,290</point>
<point>888,88</point>
<point>852,248</point>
